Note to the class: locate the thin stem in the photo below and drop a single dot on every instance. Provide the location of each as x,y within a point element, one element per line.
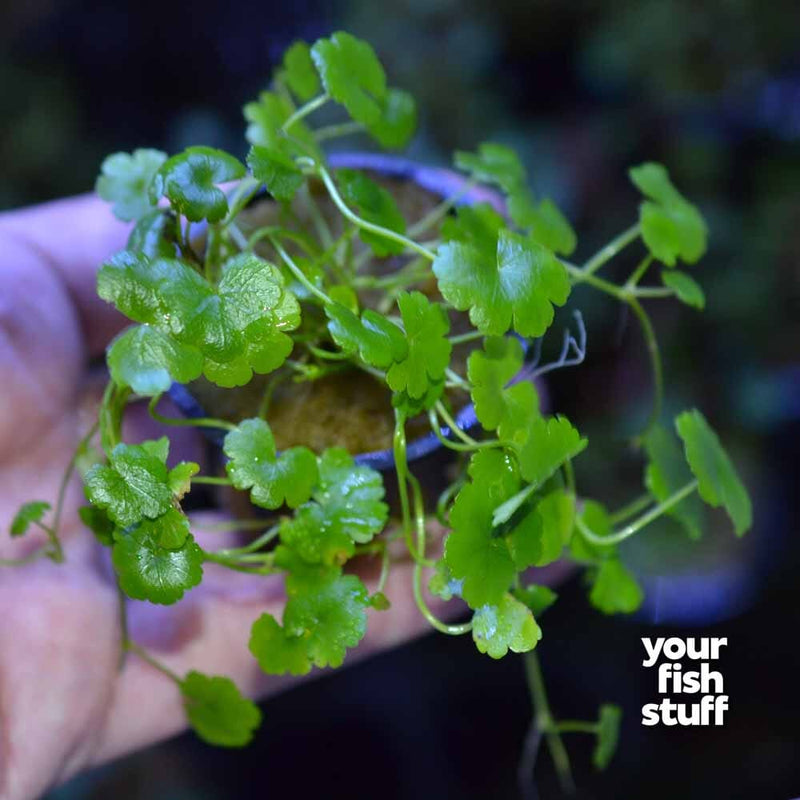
<point>569,476</point>
<point>199,422</point>
<point>335,131</point>
<point>639,272</point>
<point>211,480</point>
<point>442,411</point>
<point>655,363</point>
<point>545,722</point>
<point>409,244</point>
<point>442,627</point>
<point>317,219</point>
<point>441,210</point>
<point>304,111</point>
<point>298,273</point>
<point>457,380</point>
<point>638,524</point>
<point>631,509</point>
<point>234,564</point>
<point>29,559</point>
<point>233,525</point>
<point>653,291</point>
<point>465,337</point>
<point>450,445</point>
<point>124,635</point>
<point>605,254</point>
<point>145,656</point>
<point>401,468</point>
<point>576,726</point>
<point>256,544</point>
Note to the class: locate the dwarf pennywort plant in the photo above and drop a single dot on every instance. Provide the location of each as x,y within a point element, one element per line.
<point>301,298</point>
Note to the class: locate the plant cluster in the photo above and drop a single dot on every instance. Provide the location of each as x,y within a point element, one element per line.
<point>299,299</point>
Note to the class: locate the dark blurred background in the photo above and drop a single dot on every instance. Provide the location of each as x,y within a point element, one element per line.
<point>583,90</point>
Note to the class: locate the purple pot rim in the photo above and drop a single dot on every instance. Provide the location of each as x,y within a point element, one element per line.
<point>437,180</point>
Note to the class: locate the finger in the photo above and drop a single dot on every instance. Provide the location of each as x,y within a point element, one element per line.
<point>71,237</point>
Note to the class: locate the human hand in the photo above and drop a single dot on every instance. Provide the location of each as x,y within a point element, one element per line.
<point>65,704</point>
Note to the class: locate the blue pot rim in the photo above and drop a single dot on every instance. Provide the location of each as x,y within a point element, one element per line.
<point>437,180</point>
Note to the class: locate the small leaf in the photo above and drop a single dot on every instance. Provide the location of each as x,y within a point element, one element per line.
<point>519,290</point>
<point>607,735</point>
<point>374,204</point>
<point>666,473</point>
<point>718,482</point>
<point>147,570</point>
<point>190,180</point>
<point>545,445</point>
<point>377,341</point>
<point>509,625</point>
<point>124,180</point>
<point>180,478</point>
<point>347,508</point>
<point>557,512</point>
<point>148,361</point>
<point>489,371</point>
<point>426,328</point>
<point>172,529</point>
<point>545,222</point>
<point>277,653</point>
<point>299,73</point>
<point>615,590</point>
<point>154,235</point>
<point>217,710</point>
<point>397,122</point>
<point>276,170</point>
<point>352,75</point>
<point>27,515</point>
<point>686,288</point>
<point>255,464</point>
<point>537,598</point>
<point>330,618</point>
<point>266,117</point>
<point>132,487</point>
<point>494,164</point>
<point>477,225</point>
<point>672,227</point>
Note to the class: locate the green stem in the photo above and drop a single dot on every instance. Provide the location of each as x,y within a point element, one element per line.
<point>378,230</point>
<point>608,252</point>
<point>240,565</point>
<point>638,524</point>
<point>298,273</point>
<point>29,559</point>
<point>233,525</point>
<point>401,468</point>
<point>545,722</point>
<point>334,131</point>
<point>439,211</point>
<point>211,480</point>
<point>317,219</point>
<point>655,363</point>
<point>256,544</point>
<point>199,422</point>
<point>639,272</point>
<point>309,108</point>
<point>145,656</point>
<point>569,476</point>
<point>631,509</point>
<point>442,411</point>
<point>465,337</point>
<point>576,726</point>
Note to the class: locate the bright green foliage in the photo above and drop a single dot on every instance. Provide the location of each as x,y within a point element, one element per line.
<point>299,73</point>
<point>487,558</point>
<point>426,327</point>
<point>377,341</point>
<point>99,523</point>
<point>686,288</point>
<point>544,445</point>
<point>374,204</point>
<point>277,653</point>
<point>666,473</point>
<point>519,290</point>
<point>155,234</point>
<point>521,408</point>
<point>237,328</point>
<point>276,170</point>
<point>352,75</point>
<point>478,226</point>
<point>266,118</point>
<point>397,122</point>
<point>218,711</point>
<point>607,735</point>
<point>28,514</point>
<point>124,181</point>
<point>347,508</point>
<point>489,371</point>
<point>189,180</point>
<point>180,478</point>
<point>615,590</point>
<point>149,570</point>
<point>320,622</point>
<point>557,512</point>
<point>509,625</point>
<point>273,480</point>
<point>442,583</point>
<point>133,486</point>
<point>718,482</point>
<point>148,360</point>
<point>545,222</point>
<point>672,228</point>
<point>596,517</point>
<point>537,598</point>
<point>493,163</point>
